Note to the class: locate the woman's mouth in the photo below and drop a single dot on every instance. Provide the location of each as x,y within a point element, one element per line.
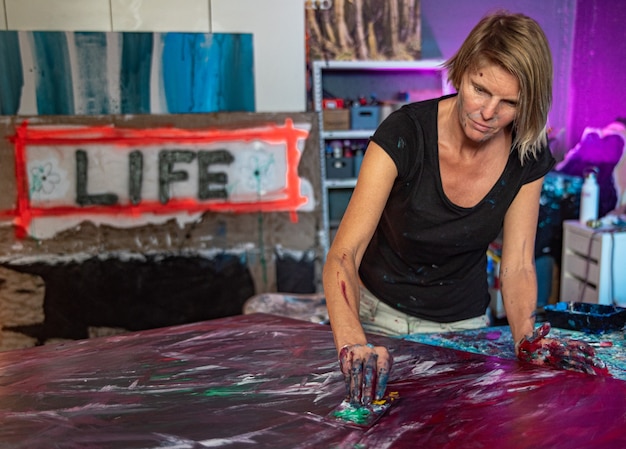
<point>480,127</point>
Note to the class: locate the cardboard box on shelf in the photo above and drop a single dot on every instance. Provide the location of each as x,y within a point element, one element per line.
<point>336,119</point>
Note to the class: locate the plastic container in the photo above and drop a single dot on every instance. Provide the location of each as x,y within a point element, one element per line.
<point>339,168</point>
<point>585,317</point>
<point>364,117</point>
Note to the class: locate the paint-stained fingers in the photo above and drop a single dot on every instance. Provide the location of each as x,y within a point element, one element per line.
<point>599,368</point>
<point>351,361</point>
<point>583,358</point>
<point>538,334</point>
<point>365,370</point>
<point>542,331</point>
<point>576,362</point>
<point>581,347</point>
<point>345,364</point>
<point>570,355</point>
<point>385,361</point>
<point>356,381</point>
<point>530,348</point>
<point>576,365</point>
<point>369,378</point>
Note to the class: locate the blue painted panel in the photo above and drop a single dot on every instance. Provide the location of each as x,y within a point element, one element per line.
<point>93,73</point>
<point>53,76</point>
<point>11,79</point>
<point>135,72</point>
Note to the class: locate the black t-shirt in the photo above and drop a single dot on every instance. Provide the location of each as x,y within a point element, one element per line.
<point>427,257</point>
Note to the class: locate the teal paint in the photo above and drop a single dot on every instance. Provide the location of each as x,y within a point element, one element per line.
<point>182,68</point>
<point>198,73</point>
<point>135,73</point>
<point>53,76</point>
<point>11,79</point>
<point>195,73</point>
<point>237,88</point>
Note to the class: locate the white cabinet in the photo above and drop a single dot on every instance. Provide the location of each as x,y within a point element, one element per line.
<point>391,83</point>
<point>593,265</point>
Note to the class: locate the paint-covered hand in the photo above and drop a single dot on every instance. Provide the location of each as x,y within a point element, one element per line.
<point>366,370</point>
<point>573,355</point>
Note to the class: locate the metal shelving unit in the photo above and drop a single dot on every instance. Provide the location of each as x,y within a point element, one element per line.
<point>350,79</point>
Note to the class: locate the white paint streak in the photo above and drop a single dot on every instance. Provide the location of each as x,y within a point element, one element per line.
<point>429,367</point>
<point>125,256</point>
<point>28,103</point>
<point>114,56</point>
<point>490,378</point>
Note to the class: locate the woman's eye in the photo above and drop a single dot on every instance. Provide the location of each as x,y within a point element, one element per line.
<point>479,90</point>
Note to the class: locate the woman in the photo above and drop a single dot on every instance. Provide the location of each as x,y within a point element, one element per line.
<point>439,181</point>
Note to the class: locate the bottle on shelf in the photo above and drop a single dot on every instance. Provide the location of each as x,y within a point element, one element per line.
<point>589,197</point>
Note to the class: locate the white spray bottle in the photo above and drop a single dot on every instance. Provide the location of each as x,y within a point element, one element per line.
<point>589,197</point>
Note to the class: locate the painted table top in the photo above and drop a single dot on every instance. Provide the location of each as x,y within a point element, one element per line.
<point>267,381</point>
<point>497,341</point>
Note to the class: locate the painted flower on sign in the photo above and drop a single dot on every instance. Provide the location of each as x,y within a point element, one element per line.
<point>43,179</point>
<point>258,172</point>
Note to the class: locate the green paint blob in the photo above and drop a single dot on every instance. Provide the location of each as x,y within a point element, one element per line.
<point>357,415</point>
<point>226,391</point>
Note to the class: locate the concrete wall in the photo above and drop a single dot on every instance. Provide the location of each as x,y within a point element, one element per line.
<point>93,277</point>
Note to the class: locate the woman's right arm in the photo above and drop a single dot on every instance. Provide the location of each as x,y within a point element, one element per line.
<point>365,368</point>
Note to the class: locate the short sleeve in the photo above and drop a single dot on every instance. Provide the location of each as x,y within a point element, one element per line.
<point>399,136</point>
<point>540,166</point>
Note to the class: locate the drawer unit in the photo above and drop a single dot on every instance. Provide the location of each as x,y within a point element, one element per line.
<point>593,267</point>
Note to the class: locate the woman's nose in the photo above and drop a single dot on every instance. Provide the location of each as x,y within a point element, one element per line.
<point>490,109</point>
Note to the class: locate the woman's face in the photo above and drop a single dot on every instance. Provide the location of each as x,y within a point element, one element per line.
<point>487,101</point>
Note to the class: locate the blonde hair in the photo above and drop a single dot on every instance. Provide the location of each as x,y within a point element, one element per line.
<point>516,43</point>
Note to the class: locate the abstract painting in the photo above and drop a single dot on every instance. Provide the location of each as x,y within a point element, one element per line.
<point>262,381</point>
<point>100,73</point>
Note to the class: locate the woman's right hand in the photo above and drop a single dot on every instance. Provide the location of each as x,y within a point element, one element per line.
<point>365,369</point>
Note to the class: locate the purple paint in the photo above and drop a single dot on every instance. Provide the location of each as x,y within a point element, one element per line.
<point>493,335</point>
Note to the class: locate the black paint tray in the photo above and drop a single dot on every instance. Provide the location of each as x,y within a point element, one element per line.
<point>584,317</point>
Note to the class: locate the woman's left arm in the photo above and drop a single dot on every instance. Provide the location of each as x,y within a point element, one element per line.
<point>518,278</point>
<point>518,284</point>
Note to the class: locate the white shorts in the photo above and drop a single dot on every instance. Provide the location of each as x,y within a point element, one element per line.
<point>379,318</point>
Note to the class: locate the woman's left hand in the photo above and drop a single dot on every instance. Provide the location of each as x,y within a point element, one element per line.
<point>573,355</point>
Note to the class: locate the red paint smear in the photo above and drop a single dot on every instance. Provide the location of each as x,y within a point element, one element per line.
<point>570,354</point>
<point>134,138</point>
<point>344,292</point>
